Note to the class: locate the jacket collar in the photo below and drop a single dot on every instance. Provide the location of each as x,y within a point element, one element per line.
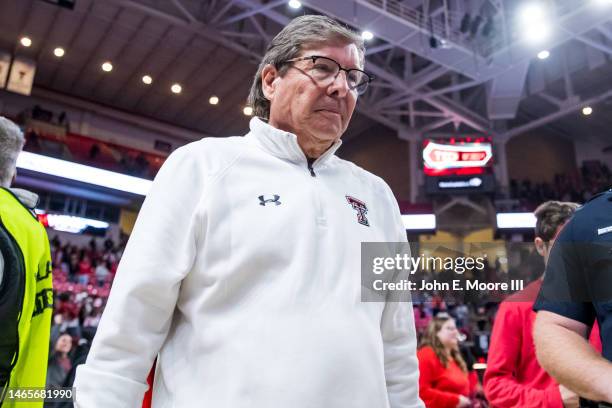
<point>27,198</point>
<point>284,145</point>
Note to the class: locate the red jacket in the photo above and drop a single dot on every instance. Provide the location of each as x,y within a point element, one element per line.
<point>439,386</point>
<point>514,377</point>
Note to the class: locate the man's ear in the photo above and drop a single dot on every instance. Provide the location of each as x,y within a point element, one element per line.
<point>269,79</point>
<point>540,246</point>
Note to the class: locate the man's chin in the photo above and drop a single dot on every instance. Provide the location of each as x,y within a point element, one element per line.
<point>328,136</point>
<point>327,131</point>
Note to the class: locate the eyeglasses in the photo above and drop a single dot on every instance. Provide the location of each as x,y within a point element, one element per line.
<point>325,70</point>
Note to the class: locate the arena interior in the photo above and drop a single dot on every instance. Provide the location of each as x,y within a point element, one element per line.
<point>480,111</point>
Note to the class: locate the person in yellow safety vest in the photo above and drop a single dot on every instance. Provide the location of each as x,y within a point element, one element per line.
<point>26,296</point>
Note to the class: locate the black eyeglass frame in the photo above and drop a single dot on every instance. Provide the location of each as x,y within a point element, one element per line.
<point>314,58</point>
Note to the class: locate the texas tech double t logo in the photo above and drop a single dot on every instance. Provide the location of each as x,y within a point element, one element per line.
<point>361,209</point>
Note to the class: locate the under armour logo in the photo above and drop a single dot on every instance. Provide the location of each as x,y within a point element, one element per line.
<point>361,209</point>
<point>263,200</point>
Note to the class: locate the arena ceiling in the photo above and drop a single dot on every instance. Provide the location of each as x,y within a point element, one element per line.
<point>437,70</point>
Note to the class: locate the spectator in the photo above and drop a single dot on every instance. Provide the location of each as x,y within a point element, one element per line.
<point>59,361</point>
<point>481,332</point>
<point>94,151</point>
<point>36,112</point>
<point>73,266</point>
<point>93,319</point>
<point>32,143</point>
<point>444,380</point>
<point>462,313</point>
<point>62,119</point>
<point>102,271</point>
<point>68,308</point>
<point>421,318</point>
<point>85,270</point>
<point>141,165</point>
<point>108,245</point>
<point>80,355</point>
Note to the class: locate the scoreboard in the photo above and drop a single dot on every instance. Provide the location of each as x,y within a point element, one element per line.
<point>459,165</point>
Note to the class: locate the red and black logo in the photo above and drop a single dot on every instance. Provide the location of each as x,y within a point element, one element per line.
<point>361,209</point>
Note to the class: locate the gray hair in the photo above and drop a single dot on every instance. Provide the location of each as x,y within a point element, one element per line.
<point>301,31</point>
<point>11,143</point>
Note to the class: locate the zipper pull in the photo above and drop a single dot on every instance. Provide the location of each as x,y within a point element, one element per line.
<point>310,162</point>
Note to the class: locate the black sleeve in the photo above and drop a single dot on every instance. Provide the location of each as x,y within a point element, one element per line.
<point>1,268</point>
<point>564,290</point>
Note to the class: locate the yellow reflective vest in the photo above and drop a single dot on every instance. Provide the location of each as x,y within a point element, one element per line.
<point>26,300</point>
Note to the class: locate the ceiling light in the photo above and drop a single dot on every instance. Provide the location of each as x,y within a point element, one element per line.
<point>532,13</point>
<point>543,54</point>
<point>587,110</point>
<point>419,221</point>
<point>516,220</point>
<point>248,111</point>
<point>214,100</point>
<point>295,4</point>
<point>59,52</point>
<point>367,35</point>
<point>107,67</point>
<point>147,79</point>
<point>176,88</point>
<point>25,41</point>
<point>534,22</point>
<point>83,173</point>
<point>69,223</point>
<point>537,33</point>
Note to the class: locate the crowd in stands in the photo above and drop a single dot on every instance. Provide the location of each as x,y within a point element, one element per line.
<point>592,178</point>
<point>85,266</point>
<point>82,277</point>
<point>45,115</point>
<point>84,150</point>
<point>66,145</point>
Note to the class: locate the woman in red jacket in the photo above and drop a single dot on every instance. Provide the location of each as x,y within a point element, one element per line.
<point>443,380</point>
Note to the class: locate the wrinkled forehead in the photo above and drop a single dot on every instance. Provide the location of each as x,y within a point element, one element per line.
<point>345,52</point>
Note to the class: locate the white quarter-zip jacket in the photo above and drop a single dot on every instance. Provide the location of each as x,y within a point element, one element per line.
<point>242,275</point>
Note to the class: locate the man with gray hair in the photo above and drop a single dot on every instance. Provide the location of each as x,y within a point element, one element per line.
<point>242,274</point>
<point>11,143</point>
<point>26,296</point>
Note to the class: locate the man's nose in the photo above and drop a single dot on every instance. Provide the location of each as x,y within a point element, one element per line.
<point>340,84</point>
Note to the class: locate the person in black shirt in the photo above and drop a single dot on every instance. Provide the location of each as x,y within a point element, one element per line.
<point>577,289</point>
